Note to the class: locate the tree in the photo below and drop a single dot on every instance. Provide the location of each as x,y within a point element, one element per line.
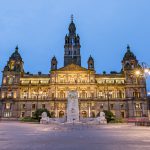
<point>109,115</point>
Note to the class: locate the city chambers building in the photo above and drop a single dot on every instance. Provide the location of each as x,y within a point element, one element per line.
<point>123,93</point>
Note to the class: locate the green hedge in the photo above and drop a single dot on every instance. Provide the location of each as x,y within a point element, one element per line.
<point>28,119</point>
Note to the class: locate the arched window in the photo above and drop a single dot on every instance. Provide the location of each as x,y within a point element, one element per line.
<point>62,94</point>
<point>61,114</point>
<point>84,114</point>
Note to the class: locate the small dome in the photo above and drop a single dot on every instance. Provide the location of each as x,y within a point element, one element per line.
<point>90,58</point>
<point>129,55</point>
<point>6,68</point>
<point>54,58</point>
<point>16,55</point>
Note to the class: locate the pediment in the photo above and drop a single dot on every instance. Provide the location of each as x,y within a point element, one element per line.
<point>72,67</point>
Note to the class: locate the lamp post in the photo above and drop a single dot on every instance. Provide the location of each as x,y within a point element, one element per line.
<point>107,96</point>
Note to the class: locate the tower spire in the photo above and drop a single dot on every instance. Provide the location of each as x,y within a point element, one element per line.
<point>72,18</point>
<point>128,47</point>
<point>16,48</point>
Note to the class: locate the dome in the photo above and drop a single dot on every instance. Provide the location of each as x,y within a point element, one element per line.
<point>129,55</point>
<point>16,55</point>
<point>54,59</point>
<point>6,68</point>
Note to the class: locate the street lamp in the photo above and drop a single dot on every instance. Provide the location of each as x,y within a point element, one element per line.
<point>107,96</point>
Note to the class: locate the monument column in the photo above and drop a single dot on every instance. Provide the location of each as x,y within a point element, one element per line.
<point>72,107</point>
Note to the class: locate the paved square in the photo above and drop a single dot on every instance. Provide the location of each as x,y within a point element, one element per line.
<point>25,136</point>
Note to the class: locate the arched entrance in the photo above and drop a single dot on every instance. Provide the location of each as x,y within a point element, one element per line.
<point>93,114</point>
<point>84,114</point>
<point>61,114</point>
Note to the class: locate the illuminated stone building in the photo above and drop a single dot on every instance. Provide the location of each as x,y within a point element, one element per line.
<point>123,93</point>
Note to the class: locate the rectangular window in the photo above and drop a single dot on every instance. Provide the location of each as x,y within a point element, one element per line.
<point>136,94</point>
<point>52,95</point>
<point>10,95</point>
<point>32,114</point>
<point>92,95</point>
<point>122,114</point>
<point>138,114</point>
<point>23,106</point>
<point>7,114</point>
<point>33,106</point>
<point>111,106</point>
<point>121,106</point>
<point>43,106</point>
<point>22,114</point>
<point>101,106</point>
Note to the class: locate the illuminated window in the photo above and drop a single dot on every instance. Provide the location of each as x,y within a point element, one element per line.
<point>10,80</point>
<point>4,80</point>
<point>138,114</point>
<point>92,104</point>
<point>92,95</point>
<point>53,95</point>
<point>100,94</point>
<point>25,94</point>
<point>10,94</point>
<point>8,105</point>
<point>7,114</point>
<point>136,94</point>
<point>3,95</point>
<point>12,65</point>
<point>138,105</point>
<point>15,95</point>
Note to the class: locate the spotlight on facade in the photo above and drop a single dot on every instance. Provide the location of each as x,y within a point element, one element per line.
<point>146,70</point>
<point>137,72</point>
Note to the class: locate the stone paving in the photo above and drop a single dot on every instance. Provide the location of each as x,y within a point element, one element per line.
<point>26,136</point>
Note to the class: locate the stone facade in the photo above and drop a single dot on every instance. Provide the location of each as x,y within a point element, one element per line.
<point>123,93</point>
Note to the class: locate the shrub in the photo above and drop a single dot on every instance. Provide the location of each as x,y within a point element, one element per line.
<point>117,120</point>
<point>109,115</point>
<point>28,119</point>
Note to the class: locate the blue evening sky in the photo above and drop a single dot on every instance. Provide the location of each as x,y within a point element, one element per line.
<point>105,27</point>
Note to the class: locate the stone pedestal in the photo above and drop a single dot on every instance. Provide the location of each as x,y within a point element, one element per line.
<point>45,118</point>
<point>72,107</point>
